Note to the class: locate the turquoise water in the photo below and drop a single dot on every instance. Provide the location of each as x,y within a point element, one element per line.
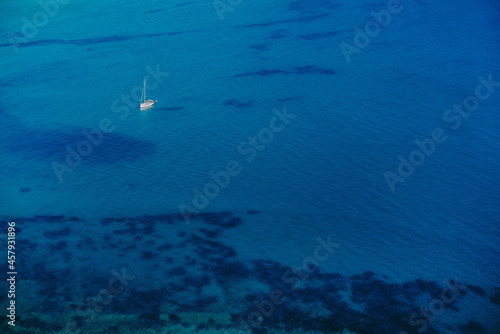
<point>323,174</point>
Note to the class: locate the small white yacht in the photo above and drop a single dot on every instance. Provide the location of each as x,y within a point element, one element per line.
<point>146,104</point>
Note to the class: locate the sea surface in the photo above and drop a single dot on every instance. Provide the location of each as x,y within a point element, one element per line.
<point>308,208</point>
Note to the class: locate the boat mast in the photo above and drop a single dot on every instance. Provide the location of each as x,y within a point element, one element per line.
<point>143,96</point>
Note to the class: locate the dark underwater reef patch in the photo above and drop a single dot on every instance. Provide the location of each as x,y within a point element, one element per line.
<point>382,305</point>
<point>307,6</point>
<point>148,255</point>
<point>50,144</point>
<point>27,244</point>
<point>317,35</point>
<point>50,219</point>
<point>165,247</point>
<point>96,40</point>
<point>56,234</point>
<point>48,279</point>
<point>226,270</point>
<point>238,104</point>
<point>284,99</point>
<point>371,6</point>
<point>140,226</point>
<point>43,219</point>
<point>223,219</point>
<point>294,20</point>
<point>155,11</point>
<point>307,69</point>
<point>170,108</point>
<point>262,73</point>
<point>495,299</point>
<point>58,247</point>
<point>260,47</point>
<point>43,326</point>
<point>144,219</point>
<point>184,4</point>
<point>211,233</point>
<point>277,34</point>
<point>193,263</point>
<point>84,41</point>
<point>313,69</point>
<point>146,303</point>
<point>210,249</point>
<point>477,290</point>
<point>472,327</point>
<point>320,306</point>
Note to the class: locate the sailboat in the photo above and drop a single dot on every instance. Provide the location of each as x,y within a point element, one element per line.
<point>146,104</point>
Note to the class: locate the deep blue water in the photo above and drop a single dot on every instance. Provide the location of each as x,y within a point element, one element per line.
<point>221,80</point>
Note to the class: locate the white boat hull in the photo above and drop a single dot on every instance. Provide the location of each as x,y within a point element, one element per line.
<point>147,104</point>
